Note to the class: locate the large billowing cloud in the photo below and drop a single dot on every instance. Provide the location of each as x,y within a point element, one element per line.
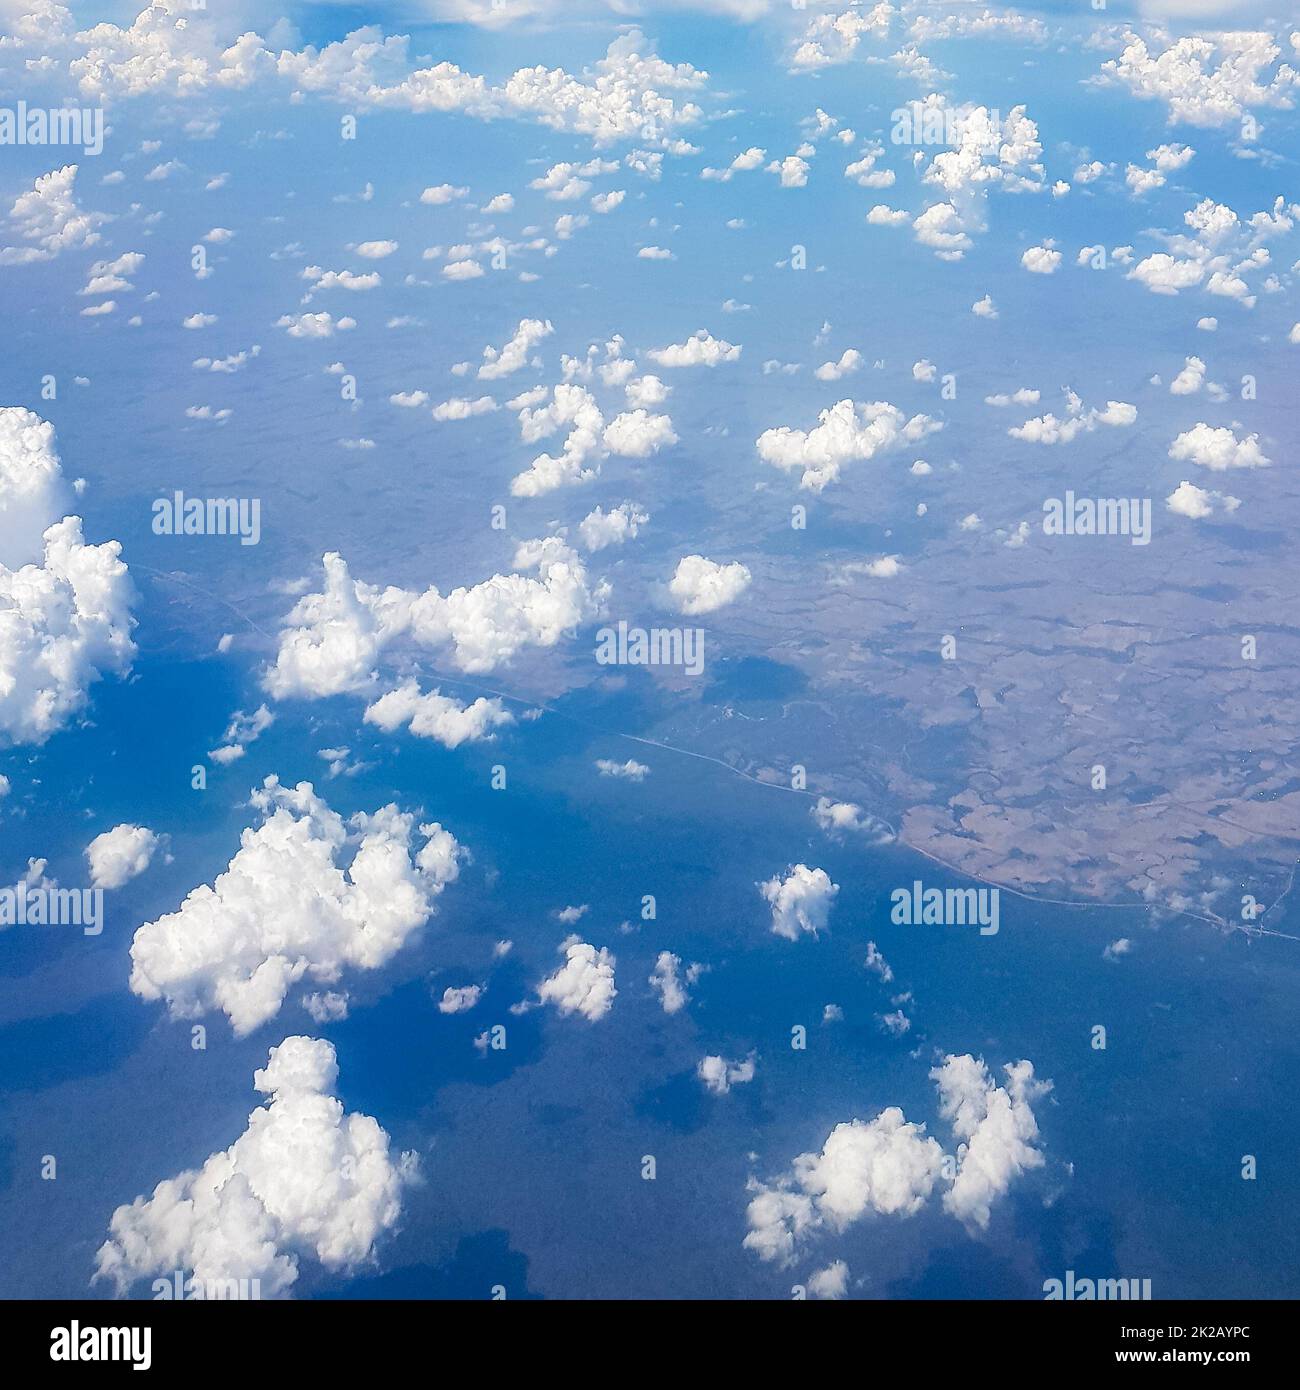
<point>33,494</point>
<point>1207,80</point>
<point>47,220</point>
<point>888,1166</point>
<point>884,1166</point>
<point>995,1127</point>
<point>1217,252</point>
<point>333,639</point>
<point>306,1178</point>
<point>65,615</point>
<point>307,896</point>
<point>630,93</point>
<point>986,151</point>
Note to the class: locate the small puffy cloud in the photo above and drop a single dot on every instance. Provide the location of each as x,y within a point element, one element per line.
<point>882,567</point>
<point>501,362</point>
<point>242,730</point>
<point>701,349</point>
<point>321,279</point>
<point>701,586</point>
<point>584,984</point>
<point>119,855</point>
<point>720,1075</point>
<point>669,983</point>
<point>437,716</point>
<point>646,392</point>
<point>1191,501</point>
<point>637,434</point>
<point>305,1178</point>
<point>322,325</point>
<point>629,771</point>
<point>866,174</point>
<point>984,308</point>
<point>599,529</point>
<point>751,159</point>
<point>801,902</point>
<point>850,361</point>
<point>846,432</point>
<point>305,897</point>
<point>566,183</point>
<point>113,277</point>
<point>442,193</point>
<point>1041,260</point>
<point>792,171</point>
<point>877,964</point>
<point>326,1006</point>
<point>1162,273</point>
<point>463,408</point>
<point>829,1283</point>
<point>883,216</point>
<point>941,228</point>
<point>375,250</point>
<point>1050,430</point>
<point>844,817</point>
<point>1189,380</point>
<point>459,1000</point>
<point>1218,449</point>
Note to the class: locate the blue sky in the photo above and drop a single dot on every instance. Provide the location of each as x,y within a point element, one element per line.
<point>441,958</point>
